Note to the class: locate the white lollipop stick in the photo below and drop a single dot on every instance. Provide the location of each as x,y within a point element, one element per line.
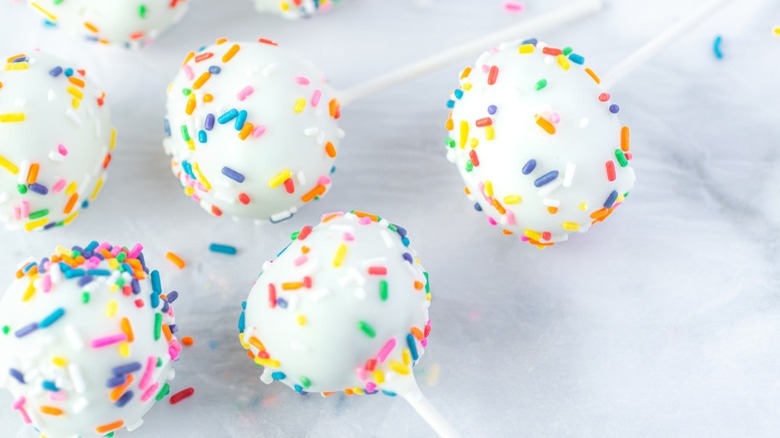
<point>561,16</point>
<point>660,42</point>
<point>429,413</point>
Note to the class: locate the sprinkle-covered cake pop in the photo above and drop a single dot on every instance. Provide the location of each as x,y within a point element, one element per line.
<point>56,141</point>
<point>131,23</point>
<point>252,130</point>
<point>538,142</point>
<point>87,340</point>
<point>343,308</point>
<point>295,9</point>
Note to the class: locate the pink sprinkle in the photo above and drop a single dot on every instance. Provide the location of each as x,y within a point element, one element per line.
<point>174,355</point>
<point>25,209</point>
<point>323,180</point>
<point>259,130</point>
<point>19,406</point>
<point>386,350</point>
<point>492,221</point>
<point>364,220</point>
<point>424,342</point>
<point>19,403</point>
<point>135,251</point>
<point>302,80</point>
<point>149,392</point>
<point>58,396</point>
<point>523,238</point>
<point>108,340</point>
<point>58,186</point>
<point>147,376</point>
<point>555,117</point>
<point>188,71</point>
<point>47,283</point>
<point>246,92</point>
<point>513,6</point>
<point>361,373</point>
<point>510,217</point>
<point>349,237</point>
<point>370,386</point>
<point>315,98</point>
<point>62,150</point>
<point>17,213</point>
<point>300,260</point>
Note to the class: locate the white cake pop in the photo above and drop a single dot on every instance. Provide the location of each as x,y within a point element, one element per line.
<point>131,23</point>
<point>87,341</point>
<point>295,9</point>
<point>56,141</point>
<point>538,142</point>
<point>343,308</point>
<point>252,130</point>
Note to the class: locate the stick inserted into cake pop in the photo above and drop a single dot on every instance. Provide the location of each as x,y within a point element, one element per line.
<point>253,130</point>
<point>536,137</point>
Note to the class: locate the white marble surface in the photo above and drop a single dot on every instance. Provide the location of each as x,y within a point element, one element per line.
<point>663,322</point>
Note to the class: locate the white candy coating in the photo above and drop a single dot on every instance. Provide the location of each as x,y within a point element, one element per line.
<point>56,139</point>
<point>252,130</point>
<point>63,339</point>
<point>295,9</point>
<point>132,23</point>
<point>317,314</point>
<point>519,104</point>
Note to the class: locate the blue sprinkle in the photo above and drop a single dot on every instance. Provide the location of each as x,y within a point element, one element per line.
<point>52,318</point>
<point>716,47</point>
<point>614,108</point>
<point>126,397</point>
<point>546,178</point>
<point>126,369</point>
<point>85,280</point>
<point>232,174</point>
<point>215,70</point>
<point>167,127</point>
<point>16,374</point>
<point>202,137</point>
<point>92,246</point>
<point>458,93</point>
<point>411,343</point>
<point>228,116</point>
<point>173,296</point>
<point>209,124</point>
<point>242,322</point>
<point>477,206</point>
<point>154,300</point>
<point>135,286</point>
<point>26,330</point>
<point>240,120</point>
<point>401,231</point>
<point>115,381</point>
<point>156,284</point>
<point>223,249</point>
<point>405,241</point>
<point>49,386</point>
<point>611,199</point>
<point>408,257</point>
<point>450,104</point>
<point>68,72</point>
<point>577,59</point>
<point>278,375</point>
<point>74,273</point>
<point>56,71</point>
<point>39,189</point>
<point>388,393</point>
<point>529,167</point>
<point>492,109</point>
<point>281,302</point>
<point>533,41</point>
<point>99,272</point>
<point>299,389</point>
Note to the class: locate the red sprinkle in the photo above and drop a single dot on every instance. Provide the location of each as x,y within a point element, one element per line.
<point>604,97</point>
<point>305,231</point>
<point>182,395</point>
<point>377,270</point>
<point>474,158</point>
<point>611,170</point>
<point>243,198</point>
<point>552,51</point>
<point>493,75</point>
<point>272,296</point>
<point>487,121</point>
<point>289,185</point>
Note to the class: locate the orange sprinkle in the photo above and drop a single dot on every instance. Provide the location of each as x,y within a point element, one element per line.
<point>246,130</point>
<point>191,103</point>
<point>119,390</point>
<point>335,108</point>
<point>231,53</point>
<point>91,27</point>
<point>417,333</point>
<point>418,285</point>
<point>127,329</point>
<point>188,57</point>
<point>110,427</point>
<point>201,80</point>
<point>175,259</point>
<point>625,138</point>
<point>32,174</point>
<point>51,410</point>
<point>222,40</point>
<point>330,149</point>
<point>313,193</point>
<point>545,124</point>
<point>71,203</point>
<point>187,341</point>
<point>593,75</point>
<point>253,341</point>
<point>373,217</point>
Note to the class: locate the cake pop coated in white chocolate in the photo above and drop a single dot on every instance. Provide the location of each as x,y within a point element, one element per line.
<point>131,23</point>
<point>252,130</point>
<point>343,308</point>
<point>56,141</point>
<point>538,142</point>
<point>87,340</point>
<point>296,9</point>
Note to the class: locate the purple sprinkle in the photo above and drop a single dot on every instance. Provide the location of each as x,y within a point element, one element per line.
<point>215,70</point>
<point>16,374</point>
<point>492,109</point>
<point>210,119</point>
<point>529,167</point>
<point>173,328</point>
<point>173,296</point>
<point>281,302</point>
<point>39,189</point>
<point>546,178</point>
<point>614,108</point>
<point>135,286</point>
<point>408,257</point>
<point>232,174</point>
<point>26,330</point>
<point>126,369</point>
<point>115,381</point>
<point>56,71</point>
<point>85,280</point>
<point>401,230</point>
<point>126,397</point>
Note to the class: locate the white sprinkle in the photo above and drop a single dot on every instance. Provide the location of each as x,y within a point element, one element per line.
<point>52,95</point>
<point>301,178</point>
<point>549,188</point>
<point>311,131</point>
<point>359,279</point>
<point>73,336</point>
<point>171,375</point>
<point>55,156</point>
<point>584,122</point>
<point>69,113</point>
<point>135,426</point>
<point>224,197</point>
<point>320,294</point>
<point>387,239</point>
<point>270,69</point>
<point>77,378</point>
<point>568,175</point>
<point>79,405</point>
<point>24,169</point>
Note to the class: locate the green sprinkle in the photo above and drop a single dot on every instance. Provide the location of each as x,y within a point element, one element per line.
<point>157,326</point>
<point>469,166</point>
<point>163,392</point>
<point>22,188</point>
<point>6,329</point>
<point>39,214</point>
<point>294,236</point>
<point>121,257</point>
<point>541,84</point>
<point>367,329</point>
<point>427,282</point>
<point>567,50</point>
<point>159,362</point>
<point>621,157</point>
<point>186,91</point>
<point>450,143</point>
<point>85,297</point>
<point>185,133</point>
<point>142,11</point>
<point>120,282</point>
<point>383,290</point>
<point>305,381</point>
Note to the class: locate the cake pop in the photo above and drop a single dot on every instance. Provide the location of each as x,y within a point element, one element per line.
<point>295,9</point>
<point>88,340</point>
<point>56,141</point>
<point>252,129</point>
<point>124,22</point>
<point>344,307</point>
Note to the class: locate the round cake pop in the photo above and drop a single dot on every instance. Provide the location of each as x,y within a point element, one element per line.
<point>343,308</point>
<point>538,142</point>
<point>87,341</point>
<point>56,141</point>
<point>123,22</point>
<point>252,130</point>
<point>295,9</point>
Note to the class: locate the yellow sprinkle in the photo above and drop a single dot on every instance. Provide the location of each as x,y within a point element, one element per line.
<point>201,178</point>
<point>776,30</point>
<point>563,61</point>
<point>490,133</point>
<point>111,308</point>
<point>489,188</point>
<point>379,377</point>
<point>59,361</point>
<point>113,264</point>
<point>399,368</point>
<point>242,341</point>
<point>341,253</point>
<point>526,48</point>
<point>301,320</point>
<point>466,72</point>
<point>231,53</point>
<point>16,66</point>
<point>49,16</point>
<point>473,143</point>
<point>75,92</point>
<point>75,103</point>
<point>571,226</point>
<point>189,191</point>
<point>9,166</point>
<point>201,80</point>
<point>96,192</point>
<point>300,104</point>
<point>512,199</point>
<point>407,356</point>
<point>467,86</point>
<point>29,292</point>
<point>112,142</point>
<point>464,133</point>
<point>70,218</point>
<point>280,178</point>
<point>61,251</point>
<point>271,363</point>
<point>191,144</point>
<point>12,117</point>
<point>531,234</point>
<point>71,188</point>
<point>32,225</point>
<point>124,349</point>
<point>358,391</point>
<point>91,27</point>
<point>583,206</point>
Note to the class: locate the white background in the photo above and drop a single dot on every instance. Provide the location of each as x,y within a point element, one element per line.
<point>664,321</point>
